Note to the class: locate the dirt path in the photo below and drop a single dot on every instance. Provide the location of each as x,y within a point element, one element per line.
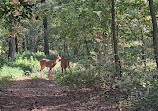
<point>45,95</point>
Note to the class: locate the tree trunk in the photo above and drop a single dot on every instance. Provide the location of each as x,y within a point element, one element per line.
<point>66,49</point>
<point>12,47</point>
<point>45,24</point>
<point>155,39</point>
<point>16,44</point>
<point>117,59</point>
<point>9,45</point>
<point>23,44</point>
<point>46,46</point>
<point>143,49</point>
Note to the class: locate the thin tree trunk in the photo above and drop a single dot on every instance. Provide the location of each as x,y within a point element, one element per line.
<point>12,47</point>
<point>65,46</point>
<point>16,43</point>
<point>66,49</point>
<point>46,47</point>
<point>155,39</point>
<point>45,24</point>
<point>143,49</point>
<point>9,45</point>
<point>23,44</point>
<point>117,59</point>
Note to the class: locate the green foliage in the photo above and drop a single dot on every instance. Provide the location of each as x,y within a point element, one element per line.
<point>25,64</point>
<point>75,25</point>
<point>3,62</point>
<point>148,100</point>
<point>37,75</point>
<point>77,79</point>
<point>31,55</point>
<point>5,79</point>
<point>142,90</point>
<point>28,65</point>
<point>15,10</point>
<point>9,73</point>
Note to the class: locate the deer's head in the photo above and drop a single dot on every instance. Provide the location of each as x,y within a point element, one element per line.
<point>58,57</point>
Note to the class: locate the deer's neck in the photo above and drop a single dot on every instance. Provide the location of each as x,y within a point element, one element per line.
<point>56,61</point>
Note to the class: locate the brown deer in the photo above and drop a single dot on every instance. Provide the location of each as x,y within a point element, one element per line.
<point>49,63</point>
<point>64,64</point>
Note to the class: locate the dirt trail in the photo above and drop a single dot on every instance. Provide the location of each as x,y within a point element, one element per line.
<point>45,95</point>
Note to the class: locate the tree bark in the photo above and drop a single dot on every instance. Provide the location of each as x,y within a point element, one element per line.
<point>117,59</point>
<point>143,49</point>
<point>65,46</point>
<point>155,39</point>
<point>23,44</point>
<point>66,49</point>
<point>45,24</point>
<point>12,47</point>
<point>16,43</point>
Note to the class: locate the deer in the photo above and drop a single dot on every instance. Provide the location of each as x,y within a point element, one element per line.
<point>49,63</point>
<point>64,64</point>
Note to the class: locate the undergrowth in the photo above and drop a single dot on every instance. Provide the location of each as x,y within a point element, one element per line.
<point>141,87</point>
<point>25,64</point>
<point>78,79</point>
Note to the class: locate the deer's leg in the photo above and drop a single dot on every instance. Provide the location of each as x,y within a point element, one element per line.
<point>41,71</point>
<point>62,70</point>
<point>50,73</point>
<point>65,70</point>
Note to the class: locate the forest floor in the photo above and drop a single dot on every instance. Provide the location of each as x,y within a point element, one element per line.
<point>29,94</point>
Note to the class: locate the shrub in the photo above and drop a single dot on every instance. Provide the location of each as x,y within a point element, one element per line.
<point>10,73</point>
<point>3,61</point>
<point>5,79</point>
<point>28,55</point>
<point>27,65</point>
<point>148,100</point>
<point>77,79</point>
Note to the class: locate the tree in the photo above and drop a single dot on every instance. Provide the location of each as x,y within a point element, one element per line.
<point>12,13</point>
<point>12,46</point>
<point>155,38</point>
<point>117,59</point>
<point>45,24</point>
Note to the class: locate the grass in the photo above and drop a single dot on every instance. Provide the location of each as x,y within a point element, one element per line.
<point>5,79</point>
<point>10,73</point>
<point>25,64</point>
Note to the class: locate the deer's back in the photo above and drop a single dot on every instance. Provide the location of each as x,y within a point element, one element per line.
<point>46,62</point>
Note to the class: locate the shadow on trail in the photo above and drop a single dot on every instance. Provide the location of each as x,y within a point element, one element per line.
<point>45,95</point>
